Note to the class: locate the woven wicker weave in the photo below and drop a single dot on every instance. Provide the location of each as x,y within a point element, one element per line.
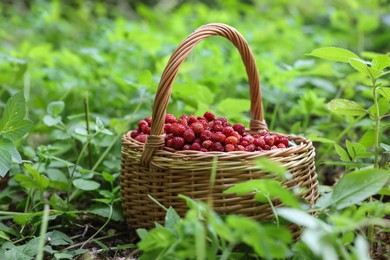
<point>163,173</point>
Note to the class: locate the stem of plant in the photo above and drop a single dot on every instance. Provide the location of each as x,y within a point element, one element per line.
<point>42,234</point>
<point>377,124</point>
<point>86,108</point>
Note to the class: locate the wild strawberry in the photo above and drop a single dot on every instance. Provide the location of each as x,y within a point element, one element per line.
<point>250,148</point>
<point>134,133</point>
<point>248,138</point>
<point>236,135</point>
<point>189,135</point>
<point>205,135</point>
<point>204,122</point>
<point>169,136</point>
<point>283,140</point>
<point>218,137</point>
<point>256,136</point>
<point>192,119</point>
<point>267,147</point>
<point>217,127</point>
<point>228,130</point>
<point>240,128</point>
<point>281,145</point>
<point>197,127</point>
<point>208,127</point>
<point>148,120</point>
<point>259,142</point>
<point>274,147</point>
<point>264,133</point>
<point>201,118</point>
<point>229,148</point>
<point>141,123</point>
<point>204,150</point>
<point>141,138</point>
<point>240,148</point>
<point>269,139</point>
<point>217,146</point>
<point>177,143</point>
<point>145,129</point>
<point>177,129</point>
<point>169,118</point>
<point>167,128</point>
<point>168,143</point>
<point>231,140</point>
<point>222,120</point>
<point>207,144</point>
<point>187,147</point>
<point>209,116</point>
<point>197,140</point>
<point>244,143</point>
<point>183,120</point>
<point>195,146</point>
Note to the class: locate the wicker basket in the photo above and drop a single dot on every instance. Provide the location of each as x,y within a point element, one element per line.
<point>163,173</point>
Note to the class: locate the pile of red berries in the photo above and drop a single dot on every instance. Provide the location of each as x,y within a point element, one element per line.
<point>207,133</point>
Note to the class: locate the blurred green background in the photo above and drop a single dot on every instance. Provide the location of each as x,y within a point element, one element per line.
<point>115,51</point>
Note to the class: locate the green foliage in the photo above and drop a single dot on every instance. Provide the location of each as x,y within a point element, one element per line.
<point>84,72</point>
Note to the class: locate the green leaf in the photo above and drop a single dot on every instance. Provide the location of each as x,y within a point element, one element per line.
<point>380,62</point>
<point>385,92</point>
<point>7,146</point>
<point>362,67</point>
<point>99,125</point>
<point>12,125</point>
<point>57,238</point>
<point>346,107</point>
<point>86,184</point>
<point>157,238</point>
<point>81,131</point>
<point>368,138</point>
<point>200,240</point>
<point>272,167</point>
<point>171,219</point>
<point>342,153</point>
<point>49,120</point>
<point>298,217</point>
<point>55,108</point>
<point>386,147</point>
<point>104,211</point>
<point>355,187</point>
<point>383,105</point>
<point>4,236</point>
<point>33,179</point>
<point>108,177</point>
<point>334,54</point>
<point>5,162</point>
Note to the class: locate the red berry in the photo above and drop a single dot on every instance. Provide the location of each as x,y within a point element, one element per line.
<point>148,120</point>
<point>195,146</point>
<point>204,150</point>
<point>168,143</point>
<point>230,148</point>
<point>169,118</point>
<point>169,136</point>
<point>259,142</point>
<point>203,122</point>
<point>269,139</point>
<point>141,138</point>
<point>281,145</point>
<point>167,128</point>
<point>217,127</point>
<point>205,135</point>
<point>201,118</point>
<point>248,138</point>
<point>218,137</point>
<point>134,133</point>
<point>237,135</point>
<point>207,144</point>
<point>183,119</point>
<point>192,119</point>
<point>177,143</point>
<point>197,140</point>
<point>178,129</point>
<point>240,148</point>
<point>145,129</point>
<point>187,147</point>
<point>267,147</point>
<point>240,128</point>
<point>209,116</point>
<point>231,140</point>
<point>244,143</point>
<point>250,148</point>
<point>222,120</point>
<point>141,123</point>
<point>189,135</point>
<point>274,147</point>
<point>217,146</point>
<point>197,127</point>
<point>228,130</point>
<point>256,136</point>
<point>283,140</point>
<point>264,133</point>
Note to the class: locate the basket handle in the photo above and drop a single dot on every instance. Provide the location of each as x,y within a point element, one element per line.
<point>156,137</point>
